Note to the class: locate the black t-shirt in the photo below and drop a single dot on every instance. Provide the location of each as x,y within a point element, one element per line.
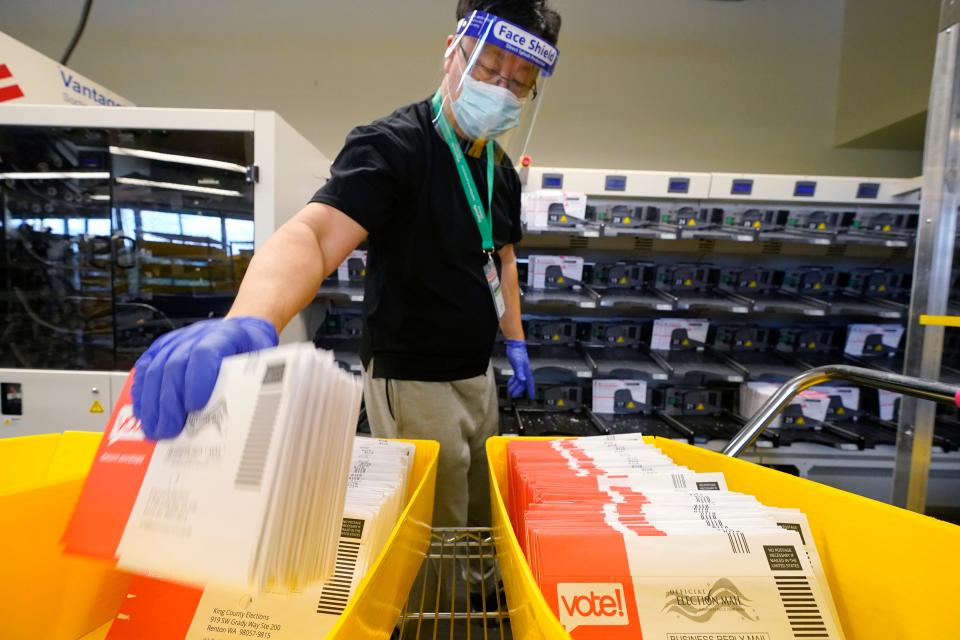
<point>428,313</point>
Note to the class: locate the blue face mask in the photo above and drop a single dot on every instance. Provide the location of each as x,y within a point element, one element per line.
<point>486,110</point>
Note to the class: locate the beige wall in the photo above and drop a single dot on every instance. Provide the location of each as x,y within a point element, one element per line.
<point>642,84</point>
<point>886,65</point>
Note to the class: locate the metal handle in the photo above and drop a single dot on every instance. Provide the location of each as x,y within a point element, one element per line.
<point>926,389</point>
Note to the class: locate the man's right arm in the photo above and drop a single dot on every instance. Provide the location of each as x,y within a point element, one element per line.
<point>177,373</point>
<point>287,270</point>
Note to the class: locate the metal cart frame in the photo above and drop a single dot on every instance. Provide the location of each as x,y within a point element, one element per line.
<point>914,387</point>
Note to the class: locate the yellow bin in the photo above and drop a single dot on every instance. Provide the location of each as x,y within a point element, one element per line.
<point>891,571</point>
<point>46,595</point>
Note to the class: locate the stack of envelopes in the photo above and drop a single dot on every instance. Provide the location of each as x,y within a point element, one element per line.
<point>624,543</point>
<point>250,494</point>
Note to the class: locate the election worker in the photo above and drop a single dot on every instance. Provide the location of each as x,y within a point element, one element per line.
<point>433,191</point>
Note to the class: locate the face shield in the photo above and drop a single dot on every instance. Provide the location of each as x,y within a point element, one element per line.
<point>493,86</point>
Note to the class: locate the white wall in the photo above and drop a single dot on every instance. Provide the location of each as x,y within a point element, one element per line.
<point>642,84</point>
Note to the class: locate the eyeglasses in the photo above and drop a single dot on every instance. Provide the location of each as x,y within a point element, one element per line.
<point>485,73</point>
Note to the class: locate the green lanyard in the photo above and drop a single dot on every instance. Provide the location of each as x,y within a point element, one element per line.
<point>483,218</point>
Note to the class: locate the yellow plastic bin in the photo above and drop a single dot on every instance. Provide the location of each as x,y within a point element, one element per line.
<point>43,593</point>
<point>892,571</point>
<point>378,600</point>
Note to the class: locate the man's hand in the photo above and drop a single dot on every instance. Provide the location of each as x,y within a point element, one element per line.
<point>522,378</point>
<point>176,374</point>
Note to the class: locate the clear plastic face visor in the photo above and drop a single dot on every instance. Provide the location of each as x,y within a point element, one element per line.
<point>493,85</point>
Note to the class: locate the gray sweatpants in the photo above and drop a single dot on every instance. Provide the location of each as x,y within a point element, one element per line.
<point>461,415</point>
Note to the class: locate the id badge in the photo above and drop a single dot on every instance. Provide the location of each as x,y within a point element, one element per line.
<point>493,281</point>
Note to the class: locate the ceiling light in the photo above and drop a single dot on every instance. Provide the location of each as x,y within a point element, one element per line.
<point>55,175</point>
<point>138,182</point>
<point>170,157</point>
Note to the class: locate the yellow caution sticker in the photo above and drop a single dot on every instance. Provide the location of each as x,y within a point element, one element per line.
<point>560,402</point>
<point>841,411</point>
<point>563,218</point>
<point>363,273</point>
<point>887,227</point>
<point>556,337</point>
<point>748,343</point>
<point>752,285</point>
<point>687,282</point>
<point>691,222</point>
<point>882,288</point>
<point>801,421</point>
<point>619,339</point>
<point>7,422</point>
<point>686,342</point>
<point>631,405</point>
<point>821,227</point>
<point>818,286</point>
<point>756,224</point>
<point>623,280</point>
<point>811,345</point>
<point>560,280</point>
<point>96,407</point>
<point>626,220</point>
<point>879,347</point>
<point>699,406</point>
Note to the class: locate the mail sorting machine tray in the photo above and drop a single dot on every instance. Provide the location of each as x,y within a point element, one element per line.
<point>867,424</point>
<point>348,361</point>
<point>815,432</point>
<point>544,299</point>
<point>844,304</point>
<point>892,239</point>
<point>881,433</point>
<point>713,302</point>
<point>824,238</point>
<point>458,594</point>
<point>530,420</point>
<point>637,300</point>
<point>697,367</point>
<point>720,426</point>
<point>346,348</point>
<point>648,424</point>
<point>341,293</point>
<point>628,363</point>
<point>548,357</point>
<point>718,233</point>
<point>766,366</point>
<point>624,223</point>
<point>789,304</point>
<point>573,227</point>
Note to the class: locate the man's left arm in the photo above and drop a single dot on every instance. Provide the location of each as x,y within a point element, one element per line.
<point>510,323</point>
<point>522,380</point>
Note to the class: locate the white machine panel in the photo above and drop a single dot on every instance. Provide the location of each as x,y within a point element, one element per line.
<point>736,187</point>
<point>832,189</point>
<point>40,401</point>
<point>614,182</point>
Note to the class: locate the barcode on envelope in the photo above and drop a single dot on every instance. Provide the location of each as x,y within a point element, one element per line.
<point>336,591</point>
<point>255,449</point>
<point>274,373</point>
<point>801,607</point>
<point>738,542</point>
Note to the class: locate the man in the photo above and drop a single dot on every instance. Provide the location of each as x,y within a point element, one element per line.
<point>432,190</point>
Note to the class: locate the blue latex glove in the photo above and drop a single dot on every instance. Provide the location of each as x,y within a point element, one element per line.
<point>176,374</point>
<point>522,378</point>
